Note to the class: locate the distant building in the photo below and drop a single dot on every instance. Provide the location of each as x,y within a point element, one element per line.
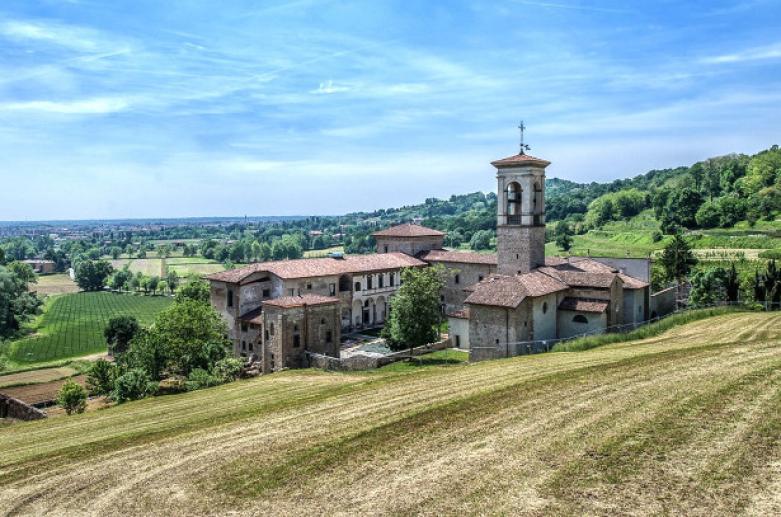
<point>42,267</point>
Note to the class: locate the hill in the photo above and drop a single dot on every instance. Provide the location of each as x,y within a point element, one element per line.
<point>686,422</point>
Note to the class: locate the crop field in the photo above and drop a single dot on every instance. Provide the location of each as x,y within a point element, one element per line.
<point>72,325</point>
<point>55,284</point>
<point>147,266</point>
<point>36,376</point>
<point>687,422</point>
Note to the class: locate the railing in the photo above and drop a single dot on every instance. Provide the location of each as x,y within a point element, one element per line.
<point>513,219</point>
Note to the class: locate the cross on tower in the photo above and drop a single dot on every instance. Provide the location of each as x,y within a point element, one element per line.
<point>524,147</point>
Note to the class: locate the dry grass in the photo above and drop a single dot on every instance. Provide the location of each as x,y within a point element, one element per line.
<point>55,284</point>
<point>36,376</point>
<point>685,422</point>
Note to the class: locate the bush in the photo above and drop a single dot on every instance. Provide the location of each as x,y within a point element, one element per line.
<point>200,378</point>
<point>100,377</point>
<point>227,369</point>
<point>771,254</point>
<point>3,362</point>
<point>133,385</point>
<point>72,397</point>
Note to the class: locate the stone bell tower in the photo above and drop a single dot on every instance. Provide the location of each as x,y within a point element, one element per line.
<point>520,206</point>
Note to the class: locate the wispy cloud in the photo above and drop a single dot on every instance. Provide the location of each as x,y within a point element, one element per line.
<point>96,106</point>
<point>751,54</point>
<point>51,33</point>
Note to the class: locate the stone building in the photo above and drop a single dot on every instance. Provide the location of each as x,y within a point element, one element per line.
<point>278,311</point>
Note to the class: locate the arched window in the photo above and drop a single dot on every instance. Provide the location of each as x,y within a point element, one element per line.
<point>514,193</point>
<point>544,307</point>
<point>344,283</point>
<point>579,318</point>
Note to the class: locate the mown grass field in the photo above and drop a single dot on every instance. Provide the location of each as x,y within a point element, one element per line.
<point>72,325</point>
<point>687,422</point>
<point>54,284</point>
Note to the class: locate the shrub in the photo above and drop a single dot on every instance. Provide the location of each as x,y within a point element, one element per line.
<point>100,377</point>
<point>133,385</point>
<point>227,369</point>
<point>72,397</point>
<point>3,362</point>
<point>119,332</point>
<point>200,378</point>
<point>771,254</point>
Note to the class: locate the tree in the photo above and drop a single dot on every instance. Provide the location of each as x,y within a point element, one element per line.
<point>481,240</point>
<point>172,279</point>
<point>101,377</point>
<point>152,282</point>
<point>415,311</point>
<point>564,236</point>
<point>197,290</point>
<point>133,385</point>
<point>116,252</point>
<point>72,397</point>
<point>91,275</point>
<point>732,284</point>
<point>708,286</point>
<point>192,335</point>
<point>119,331</point>
<point>17,304</point>
<point>677,259</point>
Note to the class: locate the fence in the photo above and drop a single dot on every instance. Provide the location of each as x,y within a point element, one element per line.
<point>482,353</point>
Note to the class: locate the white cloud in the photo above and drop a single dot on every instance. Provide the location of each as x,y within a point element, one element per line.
<point>751,54</point>
<point>96,106</point>
<point>62,35</point>
<point>329,87</point>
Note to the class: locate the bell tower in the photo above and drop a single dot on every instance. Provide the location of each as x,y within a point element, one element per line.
<point>520,207</point>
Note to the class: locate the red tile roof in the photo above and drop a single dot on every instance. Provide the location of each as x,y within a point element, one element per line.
<point>510,291</point>
<point>583,305</point>
<point>316,267</point>
<point>462,314</point>
<point>520,159</point>
<point>253,316</point>
<point>580,278</point>
<point>459,257</point>
<point>408,230</point>
<point>287,302</point>
<point>631,282</point>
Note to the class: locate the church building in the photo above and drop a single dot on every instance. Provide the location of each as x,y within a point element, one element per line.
<point>495,303</point>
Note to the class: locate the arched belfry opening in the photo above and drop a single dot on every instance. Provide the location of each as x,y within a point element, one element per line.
<point>514,194</point>
<point>539,203</point>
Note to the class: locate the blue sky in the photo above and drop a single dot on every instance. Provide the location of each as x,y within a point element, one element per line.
<point>186,108</point>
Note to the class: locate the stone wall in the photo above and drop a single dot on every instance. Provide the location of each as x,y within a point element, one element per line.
<point>363,362</point>
<point>461,276</point>
<point>14,408</point>
<point>409,245</point>
<point>519,249</point>
<point>663,302</point>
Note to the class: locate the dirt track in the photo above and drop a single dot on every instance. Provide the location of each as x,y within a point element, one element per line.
<point>688,422</point>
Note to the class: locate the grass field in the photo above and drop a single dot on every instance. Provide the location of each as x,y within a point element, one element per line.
<point>72,325</point>
<point>687,422</point>
<point>323,252</point>
<point>147,266</point>
<point>55,284</point>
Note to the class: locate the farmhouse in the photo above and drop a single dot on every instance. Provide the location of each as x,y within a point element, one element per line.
<point>279,310</point>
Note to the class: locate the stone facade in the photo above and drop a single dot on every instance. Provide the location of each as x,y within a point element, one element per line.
<point>520,249</point>
<point>409,245</point>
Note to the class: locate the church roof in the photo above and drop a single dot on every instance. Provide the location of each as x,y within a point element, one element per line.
<point>459,257</point>
<point>580,278</point>
<point>408,230</point>
<point>510,291</point>
<point>315,267</point>
<point>583,305</point>
<point>631,282</point>
<point>288,302</point>
<point>253,316</point>
<point>519,160</point>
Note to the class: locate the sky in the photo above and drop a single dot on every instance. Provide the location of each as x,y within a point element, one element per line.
<point>143,108</point>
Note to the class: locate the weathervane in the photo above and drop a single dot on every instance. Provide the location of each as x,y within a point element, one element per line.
<point>524,147</point>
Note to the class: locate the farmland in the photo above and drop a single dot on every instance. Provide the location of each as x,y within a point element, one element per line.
<point>55,284</point>
<point>687,422</point>
<point>72,325</point>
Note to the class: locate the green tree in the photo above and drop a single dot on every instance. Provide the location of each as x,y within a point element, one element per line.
<point>677,259</point>
<point>17,304</point>
<point>134,384</point>
<point>196,290</point>
<point>256,251</point>
<point>152,282</point>
<point>91,275</point>
<point>415,309</point>
<point>100,377</point>
<point>119,331</point>
<point>563,236</point>
<point>172,279</point>
<point>192,335</point>
<point>72,397</point>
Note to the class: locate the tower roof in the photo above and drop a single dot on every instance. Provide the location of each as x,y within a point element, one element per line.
<point>520,160</point>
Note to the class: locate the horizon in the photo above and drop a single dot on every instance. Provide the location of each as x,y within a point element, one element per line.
<point>135,110</point>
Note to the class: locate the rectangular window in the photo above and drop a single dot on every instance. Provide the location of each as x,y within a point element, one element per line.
<point>296,340</point>
<point>479,278</point>
<point>244,327</point>
<point>328,336</point>
<point>458,341</point>
<point>332,289</point>
<point>457,279</point>
<point>292,292</point>
<point>381,280</point>
<point>230,298</point>
<point>357,286</point>
<point>369,281</point>
<point>392,279</point>
<point>266,293</point>
<point>308,287</point>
